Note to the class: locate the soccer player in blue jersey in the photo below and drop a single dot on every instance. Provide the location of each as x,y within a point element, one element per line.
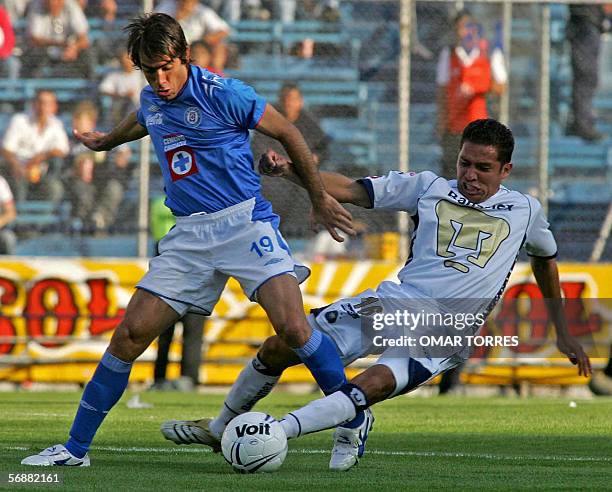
<point>199,124</point>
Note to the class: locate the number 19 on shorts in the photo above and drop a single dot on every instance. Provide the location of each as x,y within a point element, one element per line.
<point>264,244</point>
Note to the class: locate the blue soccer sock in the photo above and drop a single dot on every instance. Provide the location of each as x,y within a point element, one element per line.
<point>101,393</point>
<point>356,422</point>
<point>319,354</point>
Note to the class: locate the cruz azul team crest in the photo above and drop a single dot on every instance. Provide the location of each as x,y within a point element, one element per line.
<point>180,157</point>
<point>193,116</point>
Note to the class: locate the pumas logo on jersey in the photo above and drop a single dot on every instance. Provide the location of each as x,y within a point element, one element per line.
<point>193,116</point>
<point>181,162</point>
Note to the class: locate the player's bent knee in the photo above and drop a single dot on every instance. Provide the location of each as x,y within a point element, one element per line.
<point>294,330</point>
<point>126,344</point>
<point>277,355</point>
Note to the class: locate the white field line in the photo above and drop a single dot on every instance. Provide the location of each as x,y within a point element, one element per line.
<point>420,454</point>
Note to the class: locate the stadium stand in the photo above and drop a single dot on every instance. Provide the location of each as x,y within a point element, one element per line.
<point>353,90</point>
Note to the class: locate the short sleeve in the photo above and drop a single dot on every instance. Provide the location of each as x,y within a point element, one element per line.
<point>6,195</point>
<point>10,141</point>
<point>498,67</point>
<point>108,84</point>
<point>239,104</point>
<point>398,191</point>
<point>213,23</point>
<point>78,20</point>
<point>540,241</point>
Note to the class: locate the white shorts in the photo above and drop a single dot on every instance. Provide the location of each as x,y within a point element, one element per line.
<point>342,321</point>
<point>201,252</point>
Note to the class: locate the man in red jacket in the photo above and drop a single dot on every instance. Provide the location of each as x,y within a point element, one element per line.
<point>463,78</point>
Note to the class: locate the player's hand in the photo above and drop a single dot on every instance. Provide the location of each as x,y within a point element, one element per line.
<point>575,353</point>
<point>92,140</point>
<point>273,164</point>
<point>331,215</point>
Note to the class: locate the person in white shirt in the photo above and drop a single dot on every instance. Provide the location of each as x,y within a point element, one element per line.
<point>199,23</point>
<point>33,140</point>
<point>123,86</point>
<point>57,32</point>
<point>7,215</point>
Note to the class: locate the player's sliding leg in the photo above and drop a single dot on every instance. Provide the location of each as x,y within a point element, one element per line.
<point>282,300</point>
<point>255,382</point>
<point>389,378</point>
<point>146,317</point>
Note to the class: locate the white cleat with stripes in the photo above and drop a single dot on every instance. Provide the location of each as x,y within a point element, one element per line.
<point>56,455</point>
<point>191,432</point>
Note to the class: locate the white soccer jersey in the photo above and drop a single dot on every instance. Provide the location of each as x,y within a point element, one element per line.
<point>461,249</point>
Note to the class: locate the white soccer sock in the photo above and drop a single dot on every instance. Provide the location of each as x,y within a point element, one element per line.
<point>251,386</point>
<point>320,414</point>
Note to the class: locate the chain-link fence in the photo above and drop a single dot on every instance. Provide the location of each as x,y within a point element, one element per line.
<point>532,65</point>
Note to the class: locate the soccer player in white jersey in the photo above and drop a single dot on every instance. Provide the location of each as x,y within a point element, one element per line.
<point>468,236</point>
<point>199,124</point>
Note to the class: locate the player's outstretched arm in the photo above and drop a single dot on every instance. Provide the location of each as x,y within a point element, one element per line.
<point>547,276</point>
<point>128,130</point>
<point>326,210</point>
<point>343,189</point>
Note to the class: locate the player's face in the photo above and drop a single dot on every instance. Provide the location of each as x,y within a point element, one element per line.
<point>165,75</point>
<point>479,171</point>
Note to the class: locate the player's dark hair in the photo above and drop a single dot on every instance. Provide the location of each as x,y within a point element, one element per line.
<point>155,35</point>
<point>490,132</point>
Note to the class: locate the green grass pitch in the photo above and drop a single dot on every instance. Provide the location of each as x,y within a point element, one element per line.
<point>459,443</point>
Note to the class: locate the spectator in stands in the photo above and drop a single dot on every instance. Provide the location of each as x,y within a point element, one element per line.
<point>101,9</point>
<point>200,23</point>
<point>464,79</point>
<point>123,87</point>
<point>58,39</point>
<point>105,13</point>
<point>291,105</point>
<point>162,220</point>
<point>98,179</point>
<point>7,215</point>
<point>83,161</point>
<point>584,31</point>
<point>9,67</point>
<point>237,10</point>
<point>32,145</point>
<point>201,56</point>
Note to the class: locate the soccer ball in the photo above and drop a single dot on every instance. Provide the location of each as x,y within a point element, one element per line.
<point>254,442</point>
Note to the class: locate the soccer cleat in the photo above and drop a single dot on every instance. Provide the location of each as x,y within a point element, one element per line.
<point>601,384</point>
<point>56,455</point>
<point>191,432</point>
<point>349,444</point>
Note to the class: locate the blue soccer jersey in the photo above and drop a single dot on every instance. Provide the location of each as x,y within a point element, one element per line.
<point>201,139</point>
